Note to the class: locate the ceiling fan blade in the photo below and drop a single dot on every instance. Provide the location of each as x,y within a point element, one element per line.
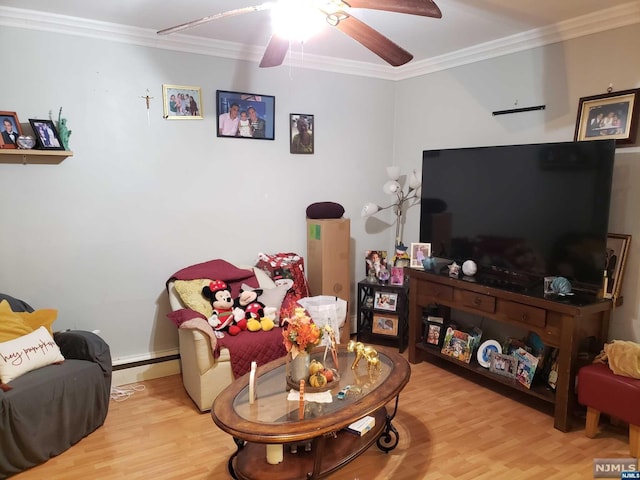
<point>217,16</point>
<point>275,52</point>
<point>426,8</point>
<point>374,41</point>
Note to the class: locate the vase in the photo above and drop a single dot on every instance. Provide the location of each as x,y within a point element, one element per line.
<point>300,366</point>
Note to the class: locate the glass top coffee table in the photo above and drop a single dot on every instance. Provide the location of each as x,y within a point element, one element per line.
<point>322,444</point>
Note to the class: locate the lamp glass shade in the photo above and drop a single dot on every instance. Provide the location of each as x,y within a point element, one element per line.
<point>369,209</point>
<point>391,187</point>
<point>393,172</point>
<point>414,180</point>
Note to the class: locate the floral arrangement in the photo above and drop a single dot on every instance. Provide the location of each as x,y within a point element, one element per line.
<point>300,333</point>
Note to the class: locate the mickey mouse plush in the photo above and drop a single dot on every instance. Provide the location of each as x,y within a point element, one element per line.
<point>219,295</point>
<point>247,307</point>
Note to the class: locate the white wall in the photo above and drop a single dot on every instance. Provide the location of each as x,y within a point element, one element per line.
<point>453,108</point>
<point>98,235</point>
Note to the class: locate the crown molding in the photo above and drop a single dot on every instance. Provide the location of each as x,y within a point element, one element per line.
<point>607,19</point>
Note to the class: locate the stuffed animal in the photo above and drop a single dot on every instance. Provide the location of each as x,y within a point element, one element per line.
<point>247,307</point>
<point>219,295</point>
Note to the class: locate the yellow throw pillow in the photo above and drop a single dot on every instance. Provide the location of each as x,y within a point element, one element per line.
<point>15,324</point>
<point>190,292</point>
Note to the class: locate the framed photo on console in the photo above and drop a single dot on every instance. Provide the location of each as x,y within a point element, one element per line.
<point>610,115</point>
<point>419,251</point>
<point>245,115</point>
<point>616,259</point>
<point>503,364</point>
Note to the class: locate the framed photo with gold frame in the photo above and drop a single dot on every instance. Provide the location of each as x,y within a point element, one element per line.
<point>612,115</point>
<point>616,259</point>
<point>385,325</point>
<point>180,102</point>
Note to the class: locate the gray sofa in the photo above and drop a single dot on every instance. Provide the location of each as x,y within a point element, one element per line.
<point>50,409</point>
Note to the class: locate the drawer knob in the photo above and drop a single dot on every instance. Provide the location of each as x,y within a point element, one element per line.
<point>524,317</point>
<point>477,301</point>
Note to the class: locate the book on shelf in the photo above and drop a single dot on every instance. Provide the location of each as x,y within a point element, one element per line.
<point>527,364</point>
<point>362,426</point>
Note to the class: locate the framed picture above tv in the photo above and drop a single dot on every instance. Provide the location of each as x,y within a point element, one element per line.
<point>245,115</point>
<point>610,115</point>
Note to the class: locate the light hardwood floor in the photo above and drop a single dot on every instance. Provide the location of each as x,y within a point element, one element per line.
<point>450,428</point>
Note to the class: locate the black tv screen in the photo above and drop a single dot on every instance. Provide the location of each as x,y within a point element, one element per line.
<point>521,212</point>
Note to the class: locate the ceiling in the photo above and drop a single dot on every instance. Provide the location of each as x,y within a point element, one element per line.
<point>464,25</point>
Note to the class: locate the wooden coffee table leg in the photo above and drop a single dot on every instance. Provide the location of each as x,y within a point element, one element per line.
<point>390,437</point>
<point>239,446</point>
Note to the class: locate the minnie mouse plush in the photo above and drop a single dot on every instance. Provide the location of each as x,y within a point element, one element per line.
<point>219,295</point>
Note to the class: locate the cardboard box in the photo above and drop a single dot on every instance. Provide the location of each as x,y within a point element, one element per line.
<point>328,261</point>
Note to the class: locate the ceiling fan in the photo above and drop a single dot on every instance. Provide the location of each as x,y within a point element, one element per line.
<point>337,14</point>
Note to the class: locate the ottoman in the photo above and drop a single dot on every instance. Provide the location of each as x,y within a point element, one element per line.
<point>602,391</point>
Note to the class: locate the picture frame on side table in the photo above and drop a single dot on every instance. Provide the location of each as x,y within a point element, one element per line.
<point>397,276</point>
<point>610,115</point>
<point>259,110</point>
<point>182,102</point>
<point>385,325</point>
<point>299,142</point>
<point>47,137</point>
<point>616,259</point>
<point>419,251</point>
<point>385,301</point>
<point>10,128</point>
<point>503,364</point>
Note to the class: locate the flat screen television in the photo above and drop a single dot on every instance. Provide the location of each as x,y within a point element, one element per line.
<point>521,212</point>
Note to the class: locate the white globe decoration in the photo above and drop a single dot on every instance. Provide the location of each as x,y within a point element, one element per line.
<point>469,268</point>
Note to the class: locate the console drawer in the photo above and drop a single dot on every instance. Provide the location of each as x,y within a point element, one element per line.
<point>440,292</point>
<point>519,312</point>
<point>484,303</point>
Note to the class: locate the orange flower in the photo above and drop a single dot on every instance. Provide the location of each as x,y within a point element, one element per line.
<point>300,333</point>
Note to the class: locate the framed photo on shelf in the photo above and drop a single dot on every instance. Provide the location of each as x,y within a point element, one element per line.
<point>181,102</point>
<point>385,325</point>
<point>374,259</point>
<point>301,133</point>
<point>245,115</point>
<point>10,127</point>
<point>47,137</point>
<point>616,259</point>
<point>419,251</point>
<point>397,276</point>
<point>385,301</point>
<point>610,115</point>
<point>503,364</point>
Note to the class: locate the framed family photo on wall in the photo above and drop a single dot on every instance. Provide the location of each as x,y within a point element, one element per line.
<point>612,115</point>
<point>182,102</point>
<point>11,130</point>
<point>301,130</point>
<point>245,115</point>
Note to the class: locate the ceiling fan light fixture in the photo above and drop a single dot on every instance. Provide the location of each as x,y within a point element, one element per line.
<point>296,20</point>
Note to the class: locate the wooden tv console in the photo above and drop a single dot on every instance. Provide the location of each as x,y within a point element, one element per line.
<point>559,324</point>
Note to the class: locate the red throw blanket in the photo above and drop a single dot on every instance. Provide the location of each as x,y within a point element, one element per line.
<point>247,347</point>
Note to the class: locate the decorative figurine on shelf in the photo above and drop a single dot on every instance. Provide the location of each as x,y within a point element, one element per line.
<point>401,258</point>
<point>383,274</point>
<point>561,286</point>
<point>469,268</point>
<point>63,131</point>
<point>454,270</point>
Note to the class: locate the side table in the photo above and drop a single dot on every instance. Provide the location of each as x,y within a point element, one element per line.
<point>383,312</point>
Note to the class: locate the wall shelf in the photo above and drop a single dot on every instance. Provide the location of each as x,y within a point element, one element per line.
<point>51,157</point>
